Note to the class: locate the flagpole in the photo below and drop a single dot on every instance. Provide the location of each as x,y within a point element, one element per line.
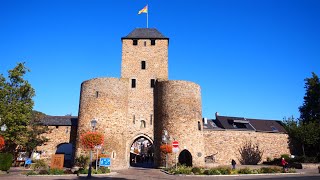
<point>147,16</point>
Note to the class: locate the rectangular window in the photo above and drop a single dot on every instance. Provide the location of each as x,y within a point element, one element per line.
<point>97,94</point>
<point>152,83</point>
<point>135,42</point>
<point>153,42</point>
<point>145,43</point>
<point>134,119</point>
<point>143,64</point>
<point>150,119</point>
<point>133,83</point>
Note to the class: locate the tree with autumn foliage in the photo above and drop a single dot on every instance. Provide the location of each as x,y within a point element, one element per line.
<point>91,139</point>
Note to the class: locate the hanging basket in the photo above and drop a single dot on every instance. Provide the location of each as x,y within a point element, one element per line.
<point>91,139</point>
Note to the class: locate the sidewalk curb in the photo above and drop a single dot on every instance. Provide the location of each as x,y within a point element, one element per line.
<point>81,175</point>
<point>231,175</point>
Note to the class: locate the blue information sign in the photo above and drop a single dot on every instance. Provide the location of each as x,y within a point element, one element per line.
<point>28,161</point>
<point>105,162</point>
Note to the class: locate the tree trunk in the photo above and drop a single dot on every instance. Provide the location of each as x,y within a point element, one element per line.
<point>304,153</point>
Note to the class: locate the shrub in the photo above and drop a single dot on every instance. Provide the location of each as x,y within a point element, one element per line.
<point>224,170</point>
<point>83,171</point>
<point>270,170</point>
<point>67,171</point>
<point>43,172</point>
<point>39,165</point>
<point>250,154</point>
<point>31,173</point>
<point>245,171</point>
<point>5,161</point>
<point>196,170</point>
<point>82,161</point>
<point>213,172</point>
<point>104,170</point>
<point>290,170</point>
<point>181,170</point>
<point>56,171</point>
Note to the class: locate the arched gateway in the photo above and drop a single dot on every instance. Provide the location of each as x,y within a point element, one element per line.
<point>142,152</point>
<point>185,158</point>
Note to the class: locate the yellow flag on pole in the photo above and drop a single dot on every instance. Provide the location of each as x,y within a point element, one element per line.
<point>144,10</point>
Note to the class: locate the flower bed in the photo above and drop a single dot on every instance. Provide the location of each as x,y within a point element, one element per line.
<point>223,170</point>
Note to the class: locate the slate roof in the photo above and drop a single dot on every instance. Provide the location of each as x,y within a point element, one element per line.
<point>238,123</point>
<point>267,125</point>
<point>59,121</point>
<point>244,124</point>
<point>145,33</point>
<point>211,124</point>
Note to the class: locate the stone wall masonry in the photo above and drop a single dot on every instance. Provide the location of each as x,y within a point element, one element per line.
<point>56,135</point>
<point>109,108</point>
<point>227,144</point>
<point>140,98</point>
<point>156,58</point>
<point>178,110</point>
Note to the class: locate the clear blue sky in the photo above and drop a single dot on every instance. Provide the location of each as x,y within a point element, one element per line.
<point>250,57</point>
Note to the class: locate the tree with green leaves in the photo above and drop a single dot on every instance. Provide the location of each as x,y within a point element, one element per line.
<point>35,131</point>
<point>303,134</point>
<point>16,106</point>
<point>310,110</point>
<point>306,130</point>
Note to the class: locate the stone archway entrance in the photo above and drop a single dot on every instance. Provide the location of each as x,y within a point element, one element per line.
<point>142,152</point>
<point>185,158</point>
<point>66,149</point>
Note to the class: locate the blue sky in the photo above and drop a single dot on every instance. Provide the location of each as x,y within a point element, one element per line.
<point>250,57</point>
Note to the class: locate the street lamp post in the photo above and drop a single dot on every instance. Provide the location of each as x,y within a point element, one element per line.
<point>165,139</point>
<point>93,124</point>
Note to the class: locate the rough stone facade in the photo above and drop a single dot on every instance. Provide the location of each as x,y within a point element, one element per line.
<point>124,113</point>
<point>227,144</point>
<point>106,100</point>
<point>178,110</point>
<point>130,107</point>
<point>57,135</point>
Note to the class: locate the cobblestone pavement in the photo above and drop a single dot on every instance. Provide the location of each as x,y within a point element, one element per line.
<point>146,174</point>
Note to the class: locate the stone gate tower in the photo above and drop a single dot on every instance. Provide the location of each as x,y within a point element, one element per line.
<point>144,60</point>
<point>124,107</point>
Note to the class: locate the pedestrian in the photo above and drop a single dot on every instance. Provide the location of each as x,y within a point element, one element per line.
<point>284,164</point>
<point>233,162</point>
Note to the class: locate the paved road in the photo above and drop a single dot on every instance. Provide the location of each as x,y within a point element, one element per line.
<point>146,174</point>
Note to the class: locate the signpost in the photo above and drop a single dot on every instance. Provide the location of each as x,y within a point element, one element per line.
<point>105,162</point>
<point>175,149</point>
<point>97,148</point>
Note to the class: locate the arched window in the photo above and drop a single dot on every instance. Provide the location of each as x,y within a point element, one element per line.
<point>143,124</point>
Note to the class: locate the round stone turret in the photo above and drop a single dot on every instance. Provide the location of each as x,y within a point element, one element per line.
<point>178,111</point>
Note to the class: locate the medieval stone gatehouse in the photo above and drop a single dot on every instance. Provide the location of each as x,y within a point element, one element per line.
<point>135,110</point>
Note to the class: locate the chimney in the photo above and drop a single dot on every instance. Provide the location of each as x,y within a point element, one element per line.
<point>205,121</point>
<point>217,114</point>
